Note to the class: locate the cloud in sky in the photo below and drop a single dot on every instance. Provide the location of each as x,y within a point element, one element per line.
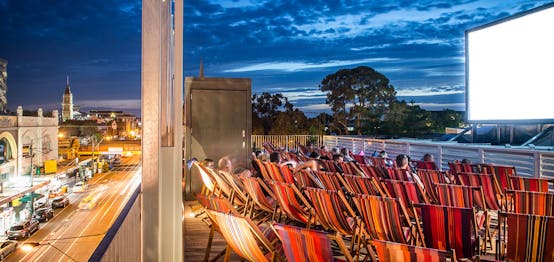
<point>298,66</point>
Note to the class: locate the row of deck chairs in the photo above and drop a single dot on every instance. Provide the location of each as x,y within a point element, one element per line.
<point>311,216</point>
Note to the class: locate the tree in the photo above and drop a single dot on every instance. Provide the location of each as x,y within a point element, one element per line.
<point>362,90</point>
<point>265,109</point>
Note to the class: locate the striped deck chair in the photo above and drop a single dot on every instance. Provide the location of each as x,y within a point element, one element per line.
<point>447,228</point>
<point>292,203</point>
<point>369,171</point>
<point>533,203</point>
<point>346,168</point>
<point>245,238</point>
<point>527,237</point>
<point>530,184</point>
<point>489,186</point>
<point>286,173</point>
<point>408,192</point>
<point>301,244</point>
<point>329,180</point>
<point>362,185</point>
<point>502,174</point>
<point>274,172</point>
<point>263,169</point>
<point>430,165</point>
<point>390,251</point>
<point>305,178</point>
<point>207,179</point>
<point>384,218</point>
<point>329,165</point>
<point>429,178</point>
<point>394,173</point>
<point>238,191</point>
<point>359,159</point>
<point>457,167</point>
<point>262,197</point>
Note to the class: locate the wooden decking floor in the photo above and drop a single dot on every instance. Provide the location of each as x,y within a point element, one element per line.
<point>196,234</point>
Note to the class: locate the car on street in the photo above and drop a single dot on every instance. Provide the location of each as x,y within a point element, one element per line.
<point>22,229</point>
<point>60,202</point>
<point>116,161</point>
<point>6,248</point>
<point>43,214</point>
<point>90,201</point>
<point>80,187</point>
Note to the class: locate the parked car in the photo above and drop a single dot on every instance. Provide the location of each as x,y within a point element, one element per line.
<point>6,248</point>
<point>116,161</point>
<point>43,214</point>
<point>80,187</point>
<point>23,229</point>
<point>60,202</point>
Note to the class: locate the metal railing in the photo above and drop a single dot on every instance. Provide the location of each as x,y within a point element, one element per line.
<point>528,162</point>
<point>122,240</point>
<point>286,141</point>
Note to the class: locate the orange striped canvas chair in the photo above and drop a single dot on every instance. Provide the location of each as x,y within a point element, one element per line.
<point>207,179</point>
<point>530,183</point>
<point>301,244</point>
<point>391,251</point>
<point>263,169</point>
<point>238,193</point>
<point>329,180</point>
<point>359,159</point>
<point>408,193</point>
<point>304,178</point>
<point>369,171</point>
<point>457,167</point>
<point>362,185</point>
<point>286,173</point>
<point>447,228</point>
<point>274,172</point>
<point>394,173</point>
<point>525,237</point>
<point>329,165</point>
<point>245,238</point>
<point>502,174</point>
<point>429,178</point>
<point>292,203</point>
<point>489,186</point>
<point>261,196</point>
<point>384,218</point>
<point>430,165</point>
<point>528,202</point>
<point>346,168</point>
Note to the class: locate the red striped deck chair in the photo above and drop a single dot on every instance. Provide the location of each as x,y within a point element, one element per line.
<point>362,185</point>
<point>447,228</point>
<point>369,171</point>
<point>287,173</point>
<point>429,178</point>
<point>502,174</point>
<point>245,238</point>
<point>530,184</point>
<point>394,173</point>
<point>305,178</point>
<point>430,165</point>
<point>329,166</point>
<point>380,161</point>
<point>274,172</point>
<point>346,168</point>
<point>533,203</point>
<point>332,210</point>
<point>390,251</point>
<point>238,194</point>
<point>263,169</point>
<point>301,244</point>
<point>458,167</point>
<point>262,197</point>
<point>528,237</point>
<point>292,203</point>
<point>383,218</point>
<point>329,180</point>
<point>489,186</point>
<point>408,192</point>
<point>359,159</point>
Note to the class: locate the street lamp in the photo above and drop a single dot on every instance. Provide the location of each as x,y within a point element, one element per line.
<point>30,246</point>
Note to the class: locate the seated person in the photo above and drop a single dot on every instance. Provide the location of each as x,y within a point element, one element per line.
<point>225,165</point>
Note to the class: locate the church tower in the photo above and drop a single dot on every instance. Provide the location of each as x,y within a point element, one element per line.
<point>67,104</point>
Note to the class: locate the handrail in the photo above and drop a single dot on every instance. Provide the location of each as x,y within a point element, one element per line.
<point>111,233</point>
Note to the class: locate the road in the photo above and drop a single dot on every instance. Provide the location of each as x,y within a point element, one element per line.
<point>73,234</point>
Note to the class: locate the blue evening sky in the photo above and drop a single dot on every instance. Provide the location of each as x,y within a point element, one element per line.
<point>284,46</point>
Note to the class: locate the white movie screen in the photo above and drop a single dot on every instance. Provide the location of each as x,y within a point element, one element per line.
<point>510,69</point>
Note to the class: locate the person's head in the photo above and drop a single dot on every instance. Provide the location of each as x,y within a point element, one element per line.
<point>383,154</point>
<point>323,148</point>
<point>208,162</point>
<point>402,161</point>
<point>466,161</point>
<point>310,145</point>
<point>344,151</point>
<point>275,157</point>
<point>257,154</point>
<point>335,151</point>
<point>314,155</point>
<point>338,158</point>
<point>225,164</point>
<point>428,158</point>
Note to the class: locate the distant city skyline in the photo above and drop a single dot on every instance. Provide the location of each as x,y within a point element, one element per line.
<point>286,47</point>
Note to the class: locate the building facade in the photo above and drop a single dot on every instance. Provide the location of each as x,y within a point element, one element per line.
<point>3,85</point>
<point>67,103</point>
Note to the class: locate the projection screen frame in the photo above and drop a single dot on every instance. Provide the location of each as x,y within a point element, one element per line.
<point>484,26</point>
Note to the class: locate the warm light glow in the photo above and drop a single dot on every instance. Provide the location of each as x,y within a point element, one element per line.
<point>133,133</point>
<point>27,247</point>
<point>61,135</point>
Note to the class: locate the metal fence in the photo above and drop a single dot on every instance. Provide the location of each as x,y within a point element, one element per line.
<point>286,141</point>
<point>528,162</point>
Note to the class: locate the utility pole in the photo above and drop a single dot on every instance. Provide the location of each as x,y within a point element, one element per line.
<point>32,176</point>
